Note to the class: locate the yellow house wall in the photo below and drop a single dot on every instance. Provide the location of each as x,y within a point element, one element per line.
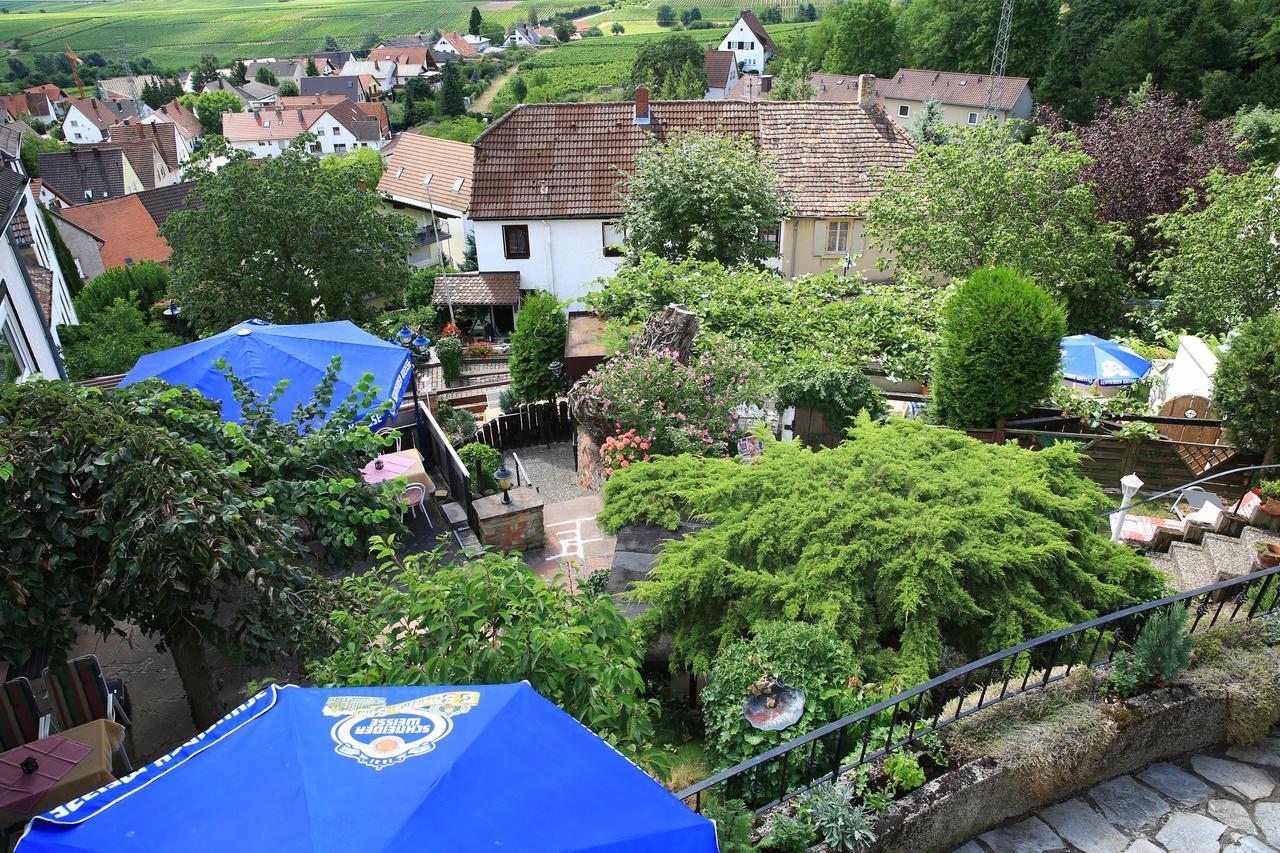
<point>798,257</point>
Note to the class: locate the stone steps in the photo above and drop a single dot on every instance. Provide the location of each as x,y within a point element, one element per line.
<point>1216,557</point>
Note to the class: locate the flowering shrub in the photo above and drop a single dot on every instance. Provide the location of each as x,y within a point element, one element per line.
<point>479,349</point>
<point>681,408</point>
<point>624,450</point>
<point>450,330</point>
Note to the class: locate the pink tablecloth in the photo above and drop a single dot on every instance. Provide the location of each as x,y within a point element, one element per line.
<point>402,463</point>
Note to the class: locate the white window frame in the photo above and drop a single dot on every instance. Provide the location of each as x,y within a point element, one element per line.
<point>11,331</point>
<point>973,119</point>
<point>839,232</point>
<point>904,110</point>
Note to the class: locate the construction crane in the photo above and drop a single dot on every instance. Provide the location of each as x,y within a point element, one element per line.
<point>75,63</point>
<point>999,56</point>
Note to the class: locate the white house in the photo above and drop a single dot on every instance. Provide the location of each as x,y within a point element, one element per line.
<point>721,68</point>
<point>34,299</point>
<point>749,42</point>
<point>523,35</point>
<point>338,128</point>
<point>462,44</point>
<point>383,72</point>
<point>88,120</point>
<point>430,180</point>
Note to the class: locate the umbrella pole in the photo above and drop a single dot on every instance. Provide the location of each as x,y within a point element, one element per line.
<point>419,432</point>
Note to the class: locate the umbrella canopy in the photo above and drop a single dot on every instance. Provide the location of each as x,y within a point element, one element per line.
<point>382,768</point>
<point>262,354</point>
<point>1090,360</point>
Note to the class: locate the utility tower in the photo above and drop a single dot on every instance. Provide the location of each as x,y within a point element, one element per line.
<point>999,56</point>
<point>123,50</point>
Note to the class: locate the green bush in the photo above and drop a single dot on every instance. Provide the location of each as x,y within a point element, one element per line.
<point>111,341</point>
<point>421,287</point>
<point>839,390</point>
<point>143,283</point>
<point>449,351</point>
<point>1246,387</point>
<point>481,460</point>
<point>537,341</point>
<point>904,771</point>
<point>457,423</point>
<point>508,400</point>
<point>733,822</point>
<point>1162,650</point>
<point>830,809</point>
<point>789,835</point>
<point>999,351</point>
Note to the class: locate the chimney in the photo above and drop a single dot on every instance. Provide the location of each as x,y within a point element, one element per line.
<point>766,83</point>
<point>866,89</point>
<point>642,105</point>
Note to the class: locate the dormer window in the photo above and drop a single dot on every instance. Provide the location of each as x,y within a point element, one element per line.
<point>457,184</point>
<point>426,181</point>
<point>88,194</point>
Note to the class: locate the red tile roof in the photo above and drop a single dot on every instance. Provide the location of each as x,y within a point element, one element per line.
<point>185,120</point>
<point>964,90</point>
<point>163,135</point>
<point>42,284</point>
<point>477,288</point>
<point>460,44</point>
<point>125,228</point>
<point>753,23</point>
<point>717,65</point>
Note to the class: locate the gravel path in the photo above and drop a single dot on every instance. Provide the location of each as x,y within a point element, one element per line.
<point>551,470</point>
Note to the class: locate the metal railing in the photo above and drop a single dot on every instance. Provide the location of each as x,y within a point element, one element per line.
<point>522,476</point>
<point>1179,489</point>
<point>896,723</point>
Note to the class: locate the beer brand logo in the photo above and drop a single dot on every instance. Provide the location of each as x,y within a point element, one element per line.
<point>379,736</point>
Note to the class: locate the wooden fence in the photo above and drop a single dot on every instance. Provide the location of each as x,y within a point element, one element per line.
<point>535,423</point>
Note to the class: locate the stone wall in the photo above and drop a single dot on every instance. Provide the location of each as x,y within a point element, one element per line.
<point>517,525</point>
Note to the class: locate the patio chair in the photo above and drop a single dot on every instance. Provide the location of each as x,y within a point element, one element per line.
<point>414,499</point>
<point>394,433</point>
<point>81,695</point>
<point>20,719</point>
<point>1196,499</point>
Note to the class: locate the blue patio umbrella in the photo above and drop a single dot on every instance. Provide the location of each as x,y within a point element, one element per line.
<point>1090,360</point>
<point>262,354</point>
<point>382,768</point>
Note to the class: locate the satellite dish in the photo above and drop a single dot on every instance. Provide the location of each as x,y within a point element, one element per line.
<point>773,706</point>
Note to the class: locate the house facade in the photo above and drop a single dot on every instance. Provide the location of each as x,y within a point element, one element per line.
<point>545,201</point>
<point>430,180</point>
<point>721,68</point>
<point>89,120</point>
<point>962,97</point>
<point>411,63</point>
<point>338,128</point>
<point>462,44</point>
<point>749,43</point>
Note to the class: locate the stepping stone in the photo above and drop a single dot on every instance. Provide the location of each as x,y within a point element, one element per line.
<point>1028,836</point>
<point>1267,816</point>
<point>1265,751</point>
<point>1232,814</point>
<point>1248,844</point>
<point>1142,845</point>
<point>1127,804</point>
<point>969,847</point>
<point>1190,833</point>
<point>1249,782</point>
<point>1176,783</point>
<point>1078,823</point>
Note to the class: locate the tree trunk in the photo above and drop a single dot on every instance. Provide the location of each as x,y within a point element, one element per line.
<point>197,679</point>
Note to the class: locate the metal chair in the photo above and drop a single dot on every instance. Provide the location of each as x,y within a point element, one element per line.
<point>80,695</point>
<point>394,433</point>
<point>414,499</point>
<point>20,718</point>
<point>1196,499</point>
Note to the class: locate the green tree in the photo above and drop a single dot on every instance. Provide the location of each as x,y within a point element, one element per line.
<point>703,196</point>
<point>687,84</point>
<point>331,44</point>
<point>32,147</point>
<point>957,35</point>
<point>66,261</point>
<point>1221,265</point>
<point>473,25</point>
<point>111,341</point>
<point>980,201</point>
<point>211,106</point>
<point>930,128</point>
<point>666,16</point>
<point>312,69</point>
<point>1258,129</point>
<point>1136,50</point>
<point>519,90</point>
<point>462,128</point>
<point>265,76</point>
<point>362,164</point>
<point>205,72</point>
<point>239,73</point>
<point>287,89</point>
<point>1246,387</point>
<point>792,83</point>
<point>537,341</point>
<point>450,101</point>
<point>837,389</point>
<point>317,246</point>
<point>419,291</point>
<point>17,68</point>
<point>143,284</point>
<point>579,651</point>
<point>563,29</point>
<point>855,38</point>
<point>902,539</point>
<point>998,358</point>
<point>658,59</point>
<point>617,28</point>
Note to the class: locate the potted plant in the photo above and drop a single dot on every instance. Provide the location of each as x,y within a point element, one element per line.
<point>1267,512</point>
<point>1268,555</point>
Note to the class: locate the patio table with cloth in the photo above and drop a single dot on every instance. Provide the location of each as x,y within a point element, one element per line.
<point>402,463</point>
<point>71,763</point>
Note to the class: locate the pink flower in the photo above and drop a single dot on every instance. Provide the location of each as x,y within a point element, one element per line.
<point>625,463</point>
<point>644,445</point>
<point>646,457</point>
<point>608,471</point>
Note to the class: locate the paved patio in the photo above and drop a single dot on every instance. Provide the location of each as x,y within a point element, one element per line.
<point>575,544</point>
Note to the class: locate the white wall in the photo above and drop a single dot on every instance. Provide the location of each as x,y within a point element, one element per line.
<point>261,150</point>
<point>565,255</point>
<point>20,314</point>
<point>79,129</point>
<point>63,313</point>
<point>752,57</point>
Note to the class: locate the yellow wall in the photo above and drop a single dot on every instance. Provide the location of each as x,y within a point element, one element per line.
<point>799,258</point>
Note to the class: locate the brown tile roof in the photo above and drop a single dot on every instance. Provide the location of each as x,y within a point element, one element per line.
<point>162,201</point>
<point>49,90</point>
<point>557,160</point>
<point>185,120</point>
<point>26,103</point>
<point>963,90</point>
<point>415,156</point>
<point>460,44</point>
<point>75,171</point>
<point>553,160</point>
<point>42,284</point>
<point>753,23</point>
<point>281,124</point>
<point>405,55</point>
<point>376,110</point>
<point>748,88</point>
<point>292,101</point>
<point>717,65</point>
<point>363,125</point>
<point>21,228</point>
<point>125,228</point>
<point>477,288</point>
<point>163,135</point>
<point>104,113</point>
<point>142,155</point>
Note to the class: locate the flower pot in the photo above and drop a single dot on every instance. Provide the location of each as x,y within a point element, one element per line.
<point>1268,559</point>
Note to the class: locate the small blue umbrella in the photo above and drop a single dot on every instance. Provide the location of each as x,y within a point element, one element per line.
<point>262,354</point>
<point>382,768</point>
<point>1090,360</point>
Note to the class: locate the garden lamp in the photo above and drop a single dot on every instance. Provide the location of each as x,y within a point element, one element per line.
<point>421,343</point>
<point>848,262</point>
<point>405,334</point>
<point>556,367</point>
<point>1129,486</point>
<point>504,478</point>
<point>173,310</point>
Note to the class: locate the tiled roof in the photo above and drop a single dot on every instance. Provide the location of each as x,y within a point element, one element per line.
<point>258,91</point>
<point>122,87</point>
<point>378,69</point>
<point>49,90</point>
<point>346,87</point>
<point>11,139</point>
<point>142,155</point>
<point>42,284</point>
<point>753,23</point>
<point>363,126</point>
<point>163,135</point>
<point>477,288</point>
<point>21,228</point>
<point>378,111</point>
<point>73,172</point>
<point>416,156</point>
<point>555,160</point>
<point>460,44</point>
<point>408,41</point>
<point>717,65</point>
<point>268,124</point>
<point>125,228</point>
<point>420,55</point>
<point>11,187</point>
<point>336,58</point>
<point>185,120</point>
<point>29,103</point>
<point>162,201</point>
<point>281,70</point>
<point>294,101</point>
<point>963,90</point>
<point>104,113</point>
<point>552,160</point>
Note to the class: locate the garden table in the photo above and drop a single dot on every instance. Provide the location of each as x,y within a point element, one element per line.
<point>71,764</point>
<point>402,463</point>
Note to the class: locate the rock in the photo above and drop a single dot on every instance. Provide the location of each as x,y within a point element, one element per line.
<point>969,847</point>
<point>1267,816</point>
<point>1232,814</point>
<point>1190,833</point>
<point>1249,782</point>
<point>1176,783</point>
<point>1248,844</point>
<point>1142,845</point>
<point>1127,804</point>
<point>1265,751</point>
<point>1079,824</point>
<point>1028,836</point>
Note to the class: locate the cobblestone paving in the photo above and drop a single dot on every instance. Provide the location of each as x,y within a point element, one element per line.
<point>1222,800</point>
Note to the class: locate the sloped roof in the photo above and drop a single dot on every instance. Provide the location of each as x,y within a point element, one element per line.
<point>408,41</point>
<point>294,101</point>
<point>962,90</point>
<point>162,201</point>
<point>717,65</point>
<point>268,124</point>
<point>376,68</point>
<point>104,113</point>
<point>42,284</point>
<point>477,288</point>
<point>26,103</point>
<point>460,44</point>
<point>558,160</point>
<point>363,126</point>
<point>11,187</point>
<point>281,69</point>
<point>258,91</point>
<point>21,229</point>
<point>336,58</point>
<point>346,87</point>
<point>73,172</point>
<point>49,90</point>
<point>163,135</point>
<point>753,23</point>
<point>121,87</point>
<point>377,111</point>
<point>416,156</point>
<point>124,227</point>
<point>142,155</point>
<point>11,139</point>
<point>420,55</point>
<point>182,118</point>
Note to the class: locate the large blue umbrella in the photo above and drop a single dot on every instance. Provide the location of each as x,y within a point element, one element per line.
<point>262,354</point>
<point>382,768</point>
<point>1090,360</point>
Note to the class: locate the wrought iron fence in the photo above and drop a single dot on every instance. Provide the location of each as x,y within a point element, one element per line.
<point>897,723</point>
